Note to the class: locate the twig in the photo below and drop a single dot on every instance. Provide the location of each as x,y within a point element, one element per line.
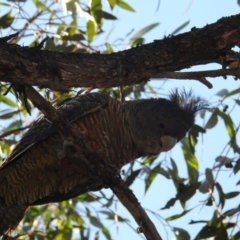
<point>51,114</point>
<point>200,75</point>
<point>128,199</point>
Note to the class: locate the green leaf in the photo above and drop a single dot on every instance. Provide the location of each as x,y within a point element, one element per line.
<point>187,191</point>
<point>191,160</point>
<point>222,92</point>
<point>170,203</point>
<point>71,30</point>
<point>221,194</point>
<point>215,219</point>
<point>74,37</point>
<point>143,31</point>
<point>14,125</point>
<point>96,9</point>
<point>234,92</point>
<point>112,3</point>
<point>106,233</point>
<point>181,234</point>
<point>100,14</point>
<point>60,28</point>
<point>198,129</point>
<point>212,120</point>
<point>125,6</point>
<point>40,5</point>
<point>237,101</point>
<point>174,169</point>
<point>207,232</point>
<point>6,20</point>
<point>228,122</point>
<point>95,5</point>
<point>95,222</point>
<point>231,212</point>
<point>237,166</point>
<point>222,234</point>
<point>72,5</point>
<point>231,195</point>
<point>9,114</point>
<point>106,15</point>
<point>73,215</point>
<point>138,42</point>
<point>163,172</point>
<point>109,48</point>
<point>193,136</point>
<point>110,215</point>
<point>204,187</point>
<point>209,176</point>
<point>150,178</point>
<point>151,89</point>
<point>130,179</point>
<point>90,30</point>
<point>176,216</point>
<point>173,172</point>
<point>180,28</point>
<point>5,4</point>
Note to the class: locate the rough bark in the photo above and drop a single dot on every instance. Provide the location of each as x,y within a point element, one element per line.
<point>60,71</point>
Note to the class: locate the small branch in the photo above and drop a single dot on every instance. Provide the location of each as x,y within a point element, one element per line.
<point>128,199</point>
<point>200,75</point>
<point>51,113</point>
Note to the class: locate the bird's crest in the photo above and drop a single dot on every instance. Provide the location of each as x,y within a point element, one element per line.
<point>187,101</point>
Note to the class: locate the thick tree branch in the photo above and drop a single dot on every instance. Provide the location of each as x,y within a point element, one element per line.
<point>61,71</point>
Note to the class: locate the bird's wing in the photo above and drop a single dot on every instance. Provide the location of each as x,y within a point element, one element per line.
<point>93,185</point>
<point>72,108</point>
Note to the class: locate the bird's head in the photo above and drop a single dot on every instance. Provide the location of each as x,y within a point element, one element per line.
<point>158,124</point>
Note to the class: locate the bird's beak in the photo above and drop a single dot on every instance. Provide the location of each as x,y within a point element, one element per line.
<point>167,143</point>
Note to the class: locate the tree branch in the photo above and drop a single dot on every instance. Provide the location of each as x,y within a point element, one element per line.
<point>130,202</point>
<point>51,114</point>
<point>61,71</point>
<point>200,75</point>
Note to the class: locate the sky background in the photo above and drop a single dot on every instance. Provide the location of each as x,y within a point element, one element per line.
<point>171,14</point>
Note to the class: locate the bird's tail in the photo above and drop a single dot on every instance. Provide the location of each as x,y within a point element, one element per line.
<point>10,216</point>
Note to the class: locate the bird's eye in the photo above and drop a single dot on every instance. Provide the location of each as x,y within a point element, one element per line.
<point>161,125</point>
